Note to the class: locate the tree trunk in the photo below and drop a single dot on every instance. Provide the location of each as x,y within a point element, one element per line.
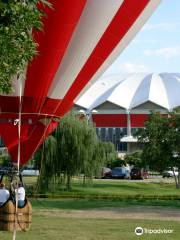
<point>84,180</point>
<point>175,178</point>
<point>178,178</point>
<point>68,184</point>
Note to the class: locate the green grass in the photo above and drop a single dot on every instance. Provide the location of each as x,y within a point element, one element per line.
<point>78,204</point>
<point>57,228</point>
<point>116,189</point>
<point>52,226</point>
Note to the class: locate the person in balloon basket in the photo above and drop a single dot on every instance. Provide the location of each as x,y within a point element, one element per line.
<point>21,195</point>
<point>4,194</point>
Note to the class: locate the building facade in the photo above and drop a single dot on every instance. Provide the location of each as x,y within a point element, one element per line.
<point>123,104</point>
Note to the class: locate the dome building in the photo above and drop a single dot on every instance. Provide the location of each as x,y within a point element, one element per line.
<point>123,103</point>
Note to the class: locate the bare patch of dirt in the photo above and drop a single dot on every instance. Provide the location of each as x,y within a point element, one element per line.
<point>156,213</point>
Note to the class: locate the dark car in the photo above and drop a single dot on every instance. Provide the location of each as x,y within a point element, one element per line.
<point>139,173</point>
<point>120,172</point>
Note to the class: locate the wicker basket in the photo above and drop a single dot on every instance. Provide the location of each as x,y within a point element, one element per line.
<point>8,215</point>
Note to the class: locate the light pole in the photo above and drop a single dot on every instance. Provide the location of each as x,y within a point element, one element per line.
<point>128,123</point>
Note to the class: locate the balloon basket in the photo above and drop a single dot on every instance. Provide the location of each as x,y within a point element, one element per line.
<point>23,217</point>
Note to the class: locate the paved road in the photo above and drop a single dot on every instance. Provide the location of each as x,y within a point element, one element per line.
<point>151,179</point>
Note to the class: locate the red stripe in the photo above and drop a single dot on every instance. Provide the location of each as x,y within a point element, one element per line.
<point>123,20</point>
<point>32,137</point>
<point>59,25</point>
<point>138,120</point>
<point>10,104</point>
<point>110,120</point>
<point>119,120</point>
<point>50,105</point>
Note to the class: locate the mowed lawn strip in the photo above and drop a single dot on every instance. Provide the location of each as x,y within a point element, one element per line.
<point>82,204</point>
<point>114,188</point>
<point>122,188</point>
<point>57,228</point>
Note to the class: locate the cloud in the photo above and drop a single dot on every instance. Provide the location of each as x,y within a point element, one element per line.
<point>167,53</point>
<point>165,26</point>
<point>128,67</point>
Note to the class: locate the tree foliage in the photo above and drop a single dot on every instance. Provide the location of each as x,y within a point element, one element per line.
<point>104,155</point>
<point>17,46</point>
<point>46,159</point>
<point>161,142</point>
<point>156,149</point>
<point>74,149</point>
<point>135,159</point>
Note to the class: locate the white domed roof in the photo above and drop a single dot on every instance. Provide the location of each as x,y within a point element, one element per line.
<point>132,90</point>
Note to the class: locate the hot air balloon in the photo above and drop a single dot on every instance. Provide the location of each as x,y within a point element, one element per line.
<point>79,40</point>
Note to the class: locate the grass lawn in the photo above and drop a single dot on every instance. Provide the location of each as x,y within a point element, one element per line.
<point>116,188</point>
<point>120,187</point>
<point>78,204</point>
<point>49,223</point>
<point>58,228</point>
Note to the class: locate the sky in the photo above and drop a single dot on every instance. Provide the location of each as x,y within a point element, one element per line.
<point>156,48</point>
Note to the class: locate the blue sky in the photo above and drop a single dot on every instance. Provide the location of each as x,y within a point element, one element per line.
<point>156,48</point>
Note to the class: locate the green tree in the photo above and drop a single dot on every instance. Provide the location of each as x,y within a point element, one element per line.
<point>135,159</point>
<point>46,158</point>
<point>117,162</point>
<point>104,154</point>
<point>156,149</point>
<point>72,150</point>
<point>160,141</point>
<point>79,150</point>
<point>17,46</point>
<point>70,139</point>
<point>174,141</point>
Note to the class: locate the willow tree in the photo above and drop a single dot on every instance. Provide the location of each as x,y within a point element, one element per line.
<point>46,158</point>
<point>72,150</point>
<point>104,154</point>
<point>17,46</point>
<point>76,141</point>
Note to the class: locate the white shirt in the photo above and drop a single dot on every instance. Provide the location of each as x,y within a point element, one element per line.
<point>4,196</point>
<point>21,193</point>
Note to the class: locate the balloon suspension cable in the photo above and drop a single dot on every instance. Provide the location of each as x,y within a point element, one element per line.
<point>18,123</point>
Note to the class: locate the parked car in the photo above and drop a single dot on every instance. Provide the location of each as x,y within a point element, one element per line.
<point>169,172</point>
<point>30,172</point>
<point>139,173</point>
<point>120,172</point>
<point>106,172</point>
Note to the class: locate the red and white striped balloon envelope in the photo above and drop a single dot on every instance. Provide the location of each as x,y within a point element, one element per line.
<point>79,41</point>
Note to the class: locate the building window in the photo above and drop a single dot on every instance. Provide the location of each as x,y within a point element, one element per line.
<point>113,134</point>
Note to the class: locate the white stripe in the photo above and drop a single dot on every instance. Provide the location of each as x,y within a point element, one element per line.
<point>141,94</point>
<point>96,17</point>
<point>93,95</point>
<point>147,12</point>
<point>125,91</point>
<point>158,93</point>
